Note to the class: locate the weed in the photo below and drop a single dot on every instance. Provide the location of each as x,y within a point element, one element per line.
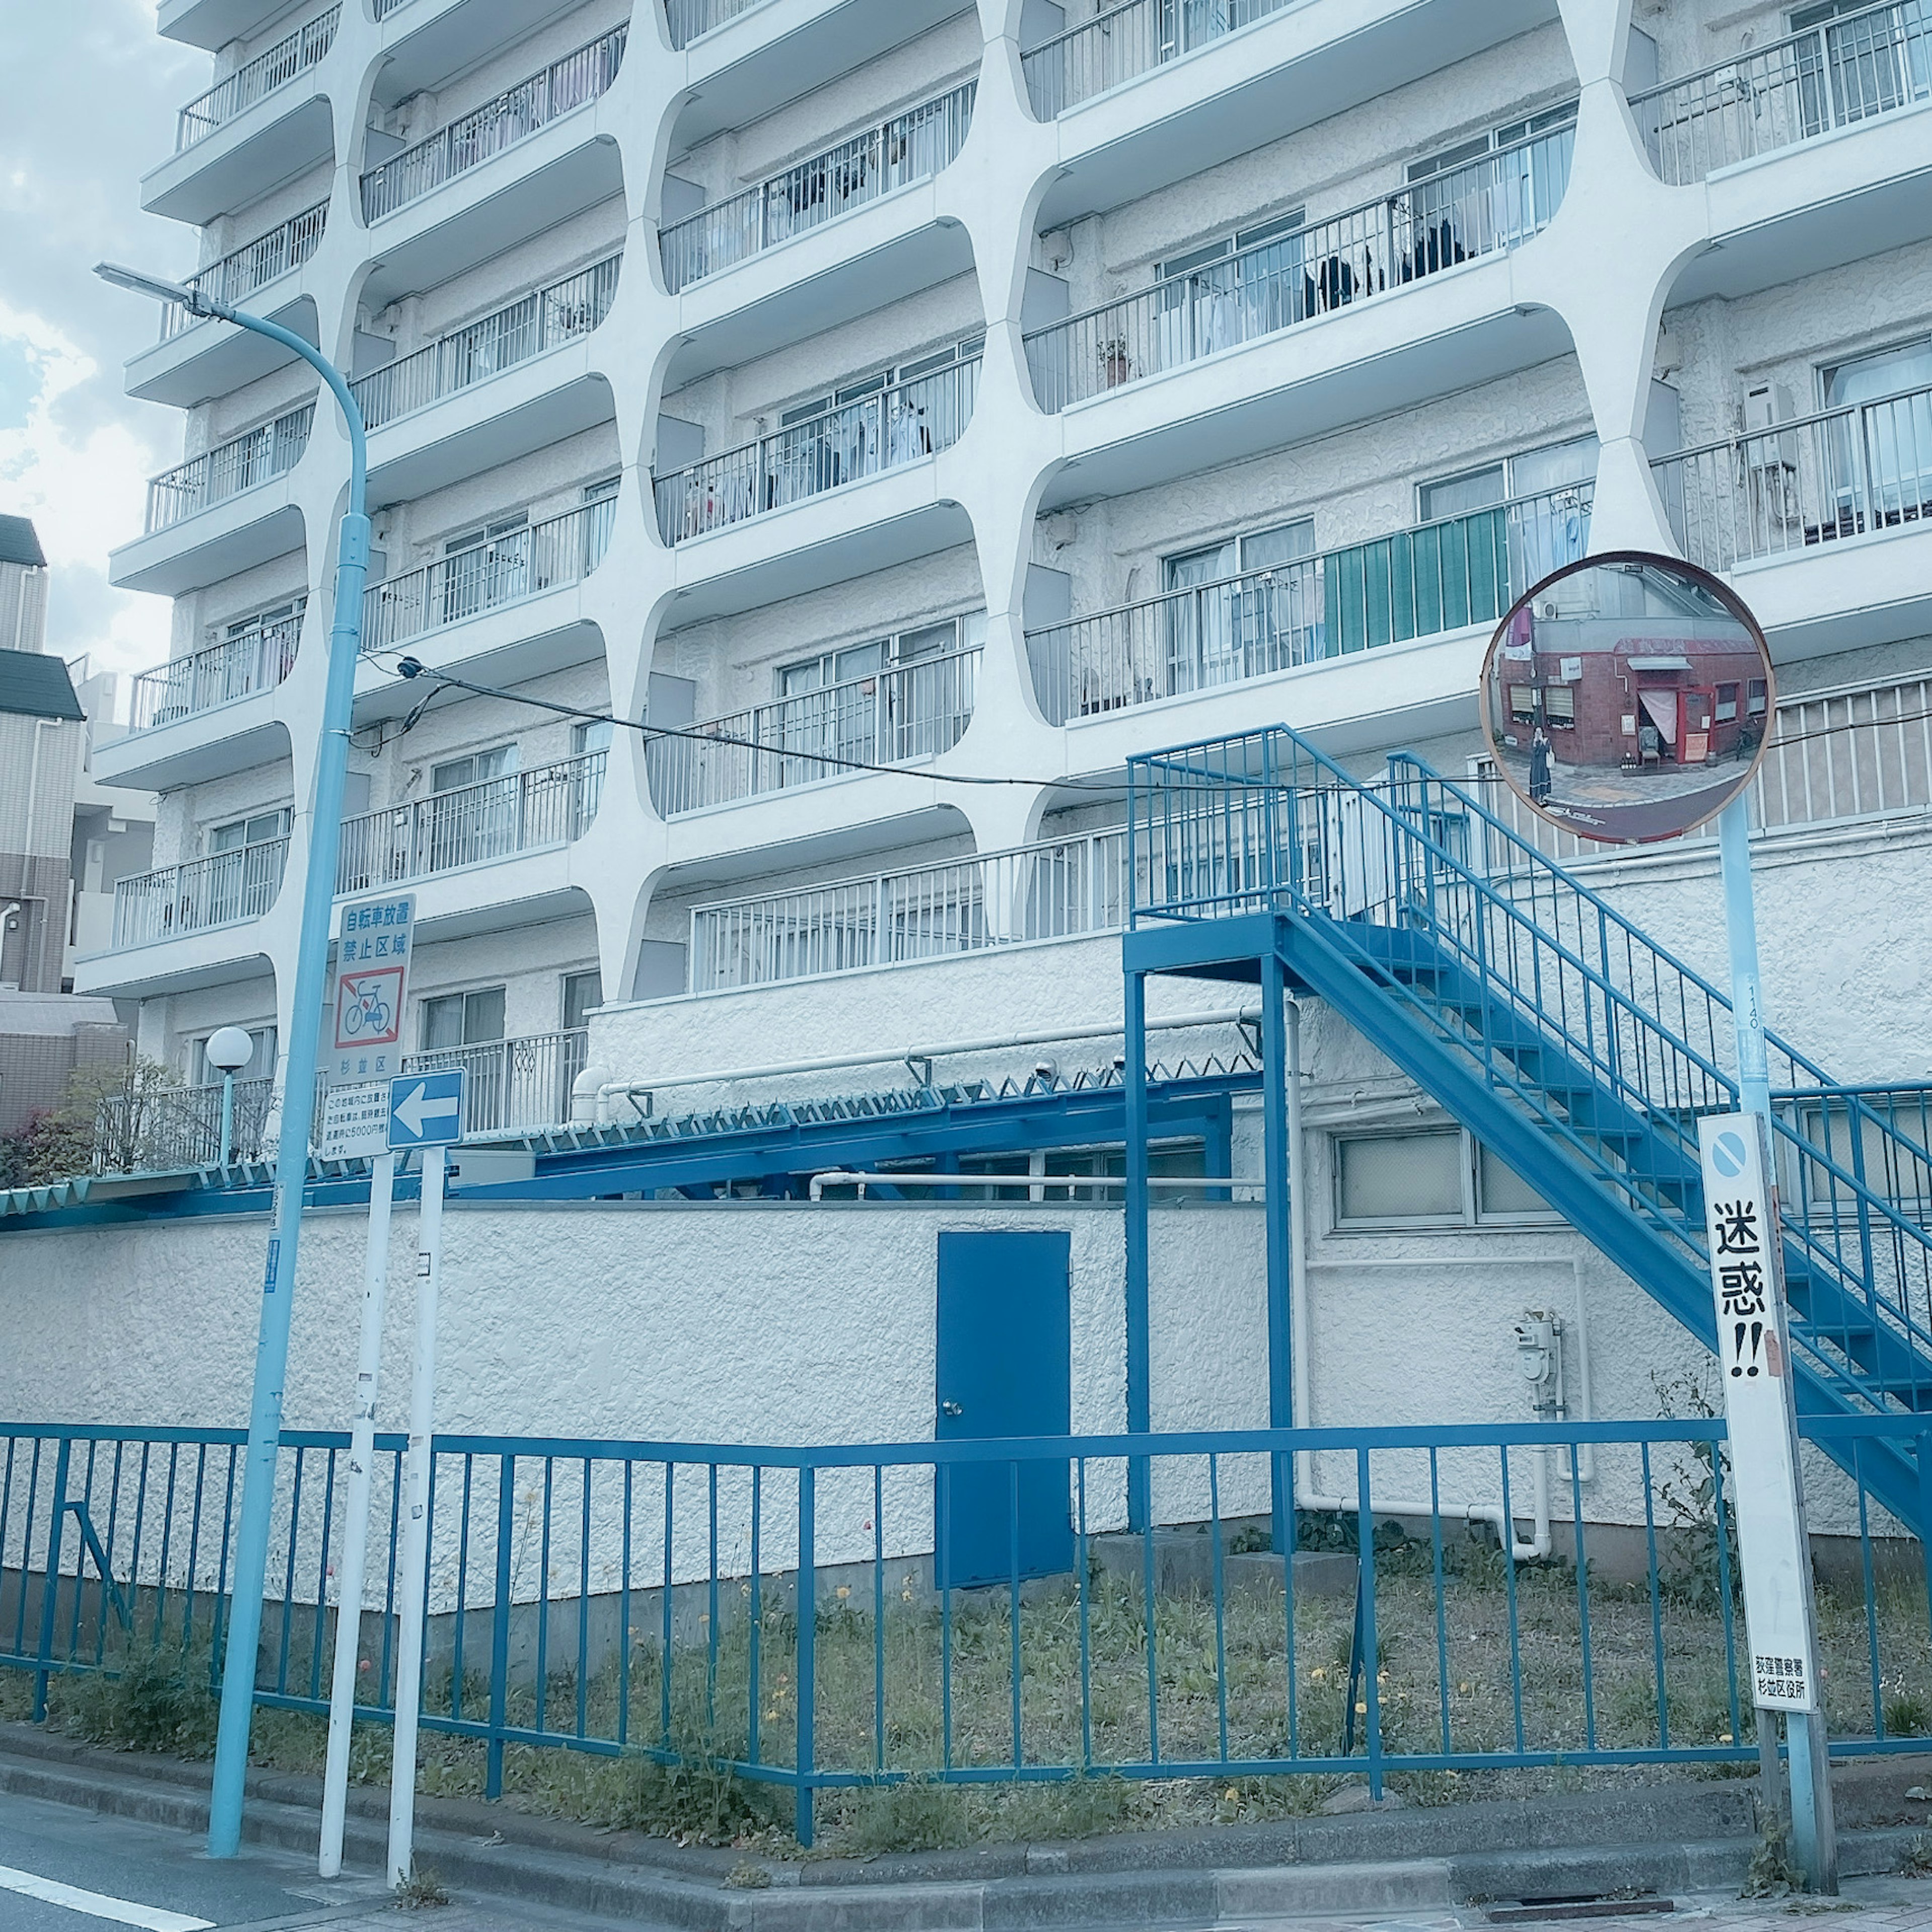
<point>1772,1873</point>
<point>746,1876</point>
<point>1917,1862</point>
<point>422,1888</point>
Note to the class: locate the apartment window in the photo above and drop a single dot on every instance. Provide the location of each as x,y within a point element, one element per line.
<point>1230,630</point>
<point>1881,450</point>
<point>1760,697</point>
<point>452,1020</point>
<point>474,768</point>
<point>261,1065</point>
<point>1504,136</point>
<point>1532,472</point>
<point>263,828</point>
<point>1727,703</point>
<point>854,663</point>
<point>486,566</point>
<point>1437,1177</point>
<point>581,992</point>
<point>594,734</point>
<point>1234,243</point>
<point>879,380</point>
<point>1559,707</point>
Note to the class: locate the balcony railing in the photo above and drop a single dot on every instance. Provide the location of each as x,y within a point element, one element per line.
<point>260,455</point>
<point>476,825</point>
<point>914,147</point>
<point>887,431</point>
<point>1840,473</point>
<point>1417,583</point>
<point>528,327</point>
<point>1837,757</point>
<point>507,569</point>
<point>513,116</point>
<point>1461,215</point>
<point>252,266</point>
<point>688,18</point>
<point>308,47</point>
<point>222,889</point>
<point>163,1129</point>
<point>897,716</point>
<point>1115,46</point>
<point>514,1086</point>
<point>257,660</point>
<point>1053,890</point>
<point>1833,75</point>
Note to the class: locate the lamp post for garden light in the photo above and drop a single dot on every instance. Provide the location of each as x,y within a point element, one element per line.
<point>271,1349</point>
<point>228,1051</point>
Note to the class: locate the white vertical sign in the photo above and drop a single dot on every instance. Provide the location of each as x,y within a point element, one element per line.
<point>1753,1361</point>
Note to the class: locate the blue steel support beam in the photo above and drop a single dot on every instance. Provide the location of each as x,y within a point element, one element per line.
<point>1275,1167</point>
<point>1140,1407</point>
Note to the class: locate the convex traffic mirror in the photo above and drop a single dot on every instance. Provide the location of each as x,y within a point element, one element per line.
<point>1627,698</point>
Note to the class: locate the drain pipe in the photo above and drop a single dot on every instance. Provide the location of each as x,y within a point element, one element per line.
<point>1307,1496</point>
<point>918,1059</point>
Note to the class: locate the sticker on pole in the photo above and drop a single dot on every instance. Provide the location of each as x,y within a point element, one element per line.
<point>356,1121</point>
<point>372,986</point>
<point>426,1109</point>
<point>1753,1363</point>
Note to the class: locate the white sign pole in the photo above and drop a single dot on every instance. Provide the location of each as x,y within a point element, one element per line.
<point>414,1585</point>
<point>1813,1832</point>
<point>356,1516</point>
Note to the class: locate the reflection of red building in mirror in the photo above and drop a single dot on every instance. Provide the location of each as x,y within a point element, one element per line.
<point>1663,697</point>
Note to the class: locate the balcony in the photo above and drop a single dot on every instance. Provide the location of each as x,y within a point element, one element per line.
<point>689,19</point>
<point>1124,42</point>
<point>902,716</point>
<point>197,359</point>
<point>1061,890</point>
<point>226,888</point>
<point>1432,580</point>
<point>1836,75</point>
<point>1838,488</point>
<point>160,752</point>
<point>914,147</point>
<point>524,394</point>
<point>900,426</point>
<point>1463,215</point>
<point>509,570</point>
<point>576,80</point>
<point>503,818</point>
<point>226,153</point>
<point>235,518</point>
<point>512,1086</point>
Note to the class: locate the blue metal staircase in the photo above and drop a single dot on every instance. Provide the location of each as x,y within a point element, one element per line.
<point>1575,1048</point>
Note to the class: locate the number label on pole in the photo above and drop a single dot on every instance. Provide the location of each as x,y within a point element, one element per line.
<point>1753,1363</point>
<point>372,985</point>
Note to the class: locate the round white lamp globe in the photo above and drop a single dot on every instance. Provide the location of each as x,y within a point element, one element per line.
<point>229,1050</point>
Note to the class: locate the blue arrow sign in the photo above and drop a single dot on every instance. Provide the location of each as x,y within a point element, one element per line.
<point>426,1109</point>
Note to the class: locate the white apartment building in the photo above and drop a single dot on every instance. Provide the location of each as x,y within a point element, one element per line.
<point>914,409</point>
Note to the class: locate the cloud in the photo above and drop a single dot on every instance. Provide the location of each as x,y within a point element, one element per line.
<point>75,452</point>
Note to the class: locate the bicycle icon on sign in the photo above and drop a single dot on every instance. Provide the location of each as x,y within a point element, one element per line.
<point>364,1010</point>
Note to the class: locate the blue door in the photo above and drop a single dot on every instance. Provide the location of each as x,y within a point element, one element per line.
<point>1004,1368</point>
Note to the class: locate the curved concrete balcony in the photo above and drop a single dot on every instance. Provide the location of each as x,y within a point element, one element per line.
<point>266,123</point>
<point>1821,523</point>
<point>478,857</point>
<point>197,357</point>
<point>857,487</point>
<point>837,237</point>
<point>188,925</point>
<point>985,901</point>
<point>514,381</point>
<point>508,611</point>
<point>213,24</point>
<point>1211,652</point>
<point>905,715</point>
<point>206,715</point>
<point>525,162</point>
<point>747,58</point>
<point>220,513</point>
<point>426,42</point>
<point>1138,108</point>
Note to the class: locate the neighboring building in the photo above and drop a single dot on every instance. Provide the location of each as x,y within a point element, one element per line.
<point>877,395</point>
<point>42,743</point>
<point>23,586</point>
<point>113,827</point>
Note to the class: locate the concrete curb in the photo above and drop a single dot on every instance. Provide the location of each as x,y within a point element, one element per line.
<point>1394,1861</point>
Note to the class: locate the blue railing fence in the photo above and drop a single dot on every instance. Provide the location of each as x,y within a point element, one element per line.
<point>982,1614</point>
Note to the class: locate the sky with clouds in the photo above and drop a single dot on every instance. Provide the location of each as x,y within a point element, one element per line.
<point>92,109</point>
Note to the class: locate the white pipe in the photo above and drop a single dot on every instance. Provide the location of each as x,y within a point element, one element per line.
<point>356,1517</point>
<point>612,1089</point>
<point>1036,1184</point>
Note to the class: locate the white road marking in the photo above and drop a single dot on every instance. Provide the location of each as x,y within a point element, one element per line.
<point>98,1905</point>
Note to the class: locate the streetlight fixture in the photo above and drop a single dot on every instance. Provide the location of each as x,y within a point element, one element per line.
<point>228,1051</point>
<point>272,1347</point>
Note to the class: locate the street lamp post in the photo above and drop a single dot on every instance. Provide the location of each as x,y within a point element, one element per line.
<point>228,1051</point>
<point>272,1347</point>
